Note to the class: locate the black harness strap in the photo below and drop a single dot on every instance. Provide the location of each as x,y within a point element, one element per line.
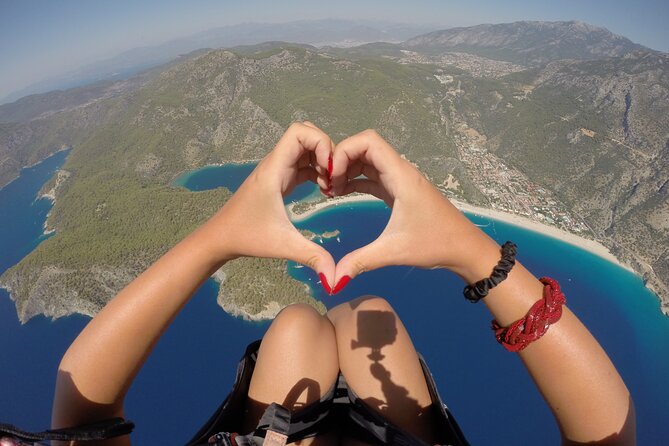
<point>101,430</point>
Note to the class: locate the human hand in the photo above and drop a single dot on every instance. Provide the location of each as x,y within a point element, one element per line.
<point>424,228</point>
<point>254,221</point>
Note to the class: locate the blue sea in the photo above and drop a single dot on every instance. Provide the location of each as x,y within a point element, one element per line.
<point>487,389</point>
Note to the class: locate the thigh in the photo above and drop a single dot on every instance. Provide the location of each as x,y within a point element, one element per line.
<point>380,364</point>
<point>297,364</point>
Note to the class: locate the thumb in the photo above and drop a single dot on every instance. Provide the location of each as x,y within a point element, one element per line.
<point>370,257</point>
<point>306,252</point>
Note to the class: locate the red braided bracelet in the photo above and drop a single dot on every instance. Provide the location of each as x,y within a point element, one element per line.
<point>534,325</point>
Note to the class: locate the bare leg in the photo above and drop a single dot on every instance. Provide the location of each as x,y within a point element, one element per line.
<point>297,363</point>
<point>380,364</point>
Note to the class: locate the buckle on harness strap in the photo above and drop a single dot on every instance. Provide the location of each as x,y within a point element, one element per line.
<point>273,438</point>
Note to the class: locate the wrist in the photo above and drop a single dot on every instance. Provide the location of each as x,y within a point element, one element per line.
<point>210,245</point>
<point>480,254</point>
<point>470,252</point>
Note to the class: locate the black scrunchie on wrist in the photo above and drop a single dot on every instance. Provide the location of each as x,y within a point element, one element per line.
<point>480,289</point>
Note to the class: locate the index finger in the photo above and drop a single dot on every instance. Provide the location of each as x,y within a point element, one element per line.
<point>302,138</point>
<point>368,147</point>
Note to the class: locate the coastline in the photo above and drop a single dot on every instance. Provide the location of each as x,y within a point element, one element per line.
<point>330,202</point>
<point>589,245</point>
<point>62,149</point>
<point>60,176</point>
<point>184,175</point>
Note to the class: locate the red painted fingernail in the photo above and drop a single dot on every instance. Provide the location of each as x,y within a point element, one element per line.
<point>341,284</point>
<point>324,282</point>
<point>330,166</point>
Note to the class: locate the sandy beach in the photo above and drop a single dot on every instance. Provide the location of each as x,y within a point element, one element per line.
<point>551,231</point>
<point>326,204</point>
<point>525,223</point>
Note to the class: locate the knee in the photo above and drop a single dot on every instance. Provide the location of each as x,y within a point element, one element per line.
<point>299,320</point>
<point>296,314</point>
<point>371,303</point>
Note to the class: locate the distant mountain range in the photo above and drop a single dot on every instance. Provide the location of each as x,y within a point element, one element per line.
<point>562,122</point>
<point>528,43</point>
<point>314,32</point>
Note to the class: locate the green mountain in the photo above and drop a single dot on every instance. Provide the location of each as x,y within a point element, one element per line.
<point>579,144</point>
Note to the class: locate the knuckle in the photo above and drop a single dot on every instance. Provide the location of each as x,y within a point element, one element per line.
<point>371,134</point>
<point>359,267</point>
<point>312,261</point>
<point>295,126</point>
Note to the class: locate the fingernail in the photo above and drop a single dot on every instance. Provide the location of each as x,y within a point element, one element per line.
<point>341,284</point>
<point>324,282</point>
<point>330,166</point>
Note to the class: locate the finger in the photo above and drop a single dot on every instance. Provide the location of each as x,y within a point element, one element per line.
<point>370,172</point>
<point>306,174</point>
<point>301,138</point>
<point>303,175</point>
<point>354,169</point>
<point>314,126</point>
<point>368,147</point>
<point>312,155</point>
<point>323,183</point>
<point>322,170</point>
<point>313,162</point>
<point>305,160</point>
<point>377,254</point>
<point>308,253</point>
<point>370,187</point>
<point>358,168</point>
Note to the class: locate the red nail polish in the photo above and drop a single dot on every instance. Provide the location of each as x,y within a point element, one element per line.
<point>324,282</point>
<point>341,284</point>
<point>330,166</point>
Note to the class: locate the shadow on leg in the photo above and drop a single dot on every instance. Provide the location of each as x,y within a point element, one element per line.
<point>380,364</point>
<point>297,363</point>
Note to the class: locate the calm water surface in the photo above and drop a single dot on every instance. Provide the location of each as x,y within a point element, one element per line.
<point>487,388</point>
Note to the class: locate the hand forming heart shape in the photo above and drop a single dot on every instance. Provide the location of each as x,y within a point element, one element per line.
<point>424,228</point>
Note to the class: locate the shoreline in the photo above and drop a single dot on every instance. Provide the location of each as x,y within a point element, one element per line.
<point>331,202</point>
<point>591,246</point>
<point>188,172</point>
<point>62,149</point>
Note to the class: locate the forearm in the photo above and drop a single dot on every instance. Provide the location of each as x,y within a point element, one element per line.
<point>578,381</point>
<point>101,363</point>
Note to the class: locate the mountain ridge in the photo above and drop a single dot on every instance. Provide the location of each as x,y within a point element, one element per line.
<point>131,62</point>
<point>530,43</point>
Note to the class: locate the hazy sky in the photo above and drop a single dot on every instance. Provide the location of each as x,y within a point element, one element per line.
<point>40,39</point>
